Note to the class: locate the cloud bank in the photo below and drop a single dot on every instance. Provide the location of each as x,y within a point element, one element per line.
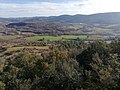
<point>53,9</point>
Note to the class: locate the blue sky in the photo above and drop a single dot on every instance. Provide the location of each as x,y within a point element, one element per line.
<point>30,8</point>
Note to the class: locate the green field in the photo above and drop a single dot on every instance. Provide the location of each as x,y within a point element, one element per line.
<point>55,38</point>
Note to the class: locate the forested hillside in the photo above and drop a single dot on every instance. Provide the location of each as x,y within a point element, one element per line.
<point>102,25</point>
<point>79,52</point>
<point>99,18</point>
<point>70,65</point>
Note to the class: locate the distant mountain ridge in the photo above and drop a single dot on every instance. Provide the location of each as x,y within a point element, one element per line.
<point>100,18</point>
<point>103,24</point>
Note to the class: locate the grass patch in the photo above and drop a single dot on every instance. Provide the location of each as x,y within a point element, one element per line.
<point>55,38</point>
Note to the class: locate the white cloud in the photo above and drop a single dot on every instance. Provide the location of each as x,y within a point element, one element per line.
<point>100,6</point>
<point>48,9</point>
<point>37,9</point>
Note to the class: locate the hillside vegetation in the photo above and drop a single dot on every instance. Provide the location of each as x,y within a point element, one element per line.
<point>72,65</point>
<point>104,25</point>
<point>67,52</point>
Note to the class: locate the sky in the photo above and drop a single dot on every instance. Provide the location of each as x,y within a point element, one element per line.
<point>31,8</point>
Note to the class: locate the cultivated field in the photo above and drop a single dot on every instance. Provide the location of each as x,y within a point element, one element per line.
<point>8,37</point>
<point>54,38</point>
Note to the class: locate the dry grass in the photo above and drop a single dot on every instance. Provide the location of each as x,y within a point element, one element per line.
<point>29,47</point>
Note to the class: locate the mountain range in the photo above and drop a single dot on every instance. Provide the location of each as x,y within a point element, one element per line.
<point>100,18</point>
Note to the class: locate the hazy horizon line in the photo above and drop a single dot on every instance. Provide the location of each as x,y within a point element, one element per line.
<point>45,16</point>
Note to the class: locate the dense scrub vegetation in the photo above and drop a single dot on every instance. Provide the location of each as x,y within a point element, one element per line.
<point>72,65</point>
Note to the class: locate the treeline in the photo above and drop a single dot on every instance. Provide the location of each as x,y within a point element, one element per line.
<point>72,65</point>
<point>42,27</point>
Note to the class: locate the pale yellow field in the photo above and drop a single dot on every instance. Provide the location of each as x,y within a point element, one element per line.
<point>30,47</point>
